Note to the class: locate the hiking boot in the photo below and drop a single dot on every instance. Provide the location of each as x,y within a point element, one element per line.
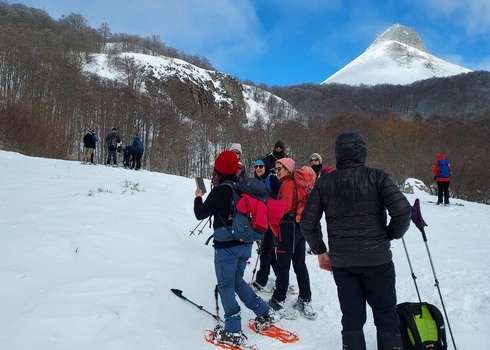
<point>277,305</point>
<point>229,338</point>
<point>256,286</point>
<point>280,308</point>
<point>264,321</point>
<point>304,306</point>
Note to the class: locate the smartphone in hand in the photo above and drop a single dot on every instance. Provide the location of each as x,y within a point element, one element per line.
<point>200,184</point>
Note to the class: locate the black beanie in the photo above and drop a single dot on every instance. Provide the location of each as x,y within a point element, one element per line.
<point>280,144</point>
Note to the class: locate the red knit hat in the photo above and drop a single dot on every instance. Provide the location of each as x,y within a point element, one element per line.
<point>226,163</point>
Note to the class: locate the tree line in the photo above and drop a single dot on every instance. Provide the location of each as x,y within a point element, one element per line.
<point>47,101</point>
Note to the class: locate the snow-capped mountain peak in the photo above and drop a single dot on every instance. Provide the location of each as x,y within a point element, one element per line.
<point>403,35</point>
<point>397,56</point>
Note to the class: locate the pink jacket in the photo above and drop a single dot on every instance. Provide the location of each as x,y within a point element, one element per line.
<point>261,215</point>
<point>255,209</point>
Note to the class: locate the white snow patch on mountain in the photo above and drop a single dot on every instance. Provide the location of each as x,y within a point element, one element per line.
<point>389,61</point>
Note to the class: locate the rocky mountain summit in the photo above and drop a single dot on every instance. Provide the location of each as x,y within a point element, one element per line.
<point>397,56</point>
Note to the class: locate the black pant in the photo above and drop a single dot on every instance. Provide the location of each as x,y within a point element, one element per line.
<point>443,188</point>
<point>374,285</point>
<point>291,247</point>
<point>267,258</point>
<point>129,156</point>
<point>138,160</point>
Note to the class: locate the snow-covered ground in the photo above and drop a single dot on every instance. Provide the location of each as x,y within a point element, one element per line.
<point>88,255</point>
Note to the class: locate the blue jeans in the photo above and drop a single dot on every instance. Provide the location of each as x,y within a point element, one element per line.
<point>229,264</point>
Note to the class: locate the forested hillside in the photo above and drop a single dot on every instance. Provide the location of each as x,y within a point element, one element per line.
<point>48,99</point>
<point>464,96</point>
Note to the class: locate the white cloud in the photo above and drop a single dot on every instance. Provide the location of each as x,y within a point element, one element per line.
<point>473,15</point>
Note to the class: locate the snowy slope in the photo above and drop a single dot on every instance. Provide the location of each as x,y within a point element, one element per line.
<point>394,59</point>
<point>89,254</point>
<point>162,68</point>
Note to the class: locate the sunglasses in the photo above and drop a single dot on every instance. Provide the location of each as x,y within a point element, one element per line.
<point>258,166</point>
<point>278,168</point>
<point>237,152</point>
<point>314,160</point>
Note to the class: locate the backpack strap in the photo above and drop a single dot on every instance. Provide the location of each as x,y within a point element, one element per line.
<point>441,331</point>
<point>233,202</point>
<point>412,327</point>
<point>268,185</point>
<point>231,184</point>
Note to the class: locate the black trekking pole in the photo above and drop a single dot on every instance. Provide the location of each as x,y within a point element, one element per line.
<point>199,224</point>
<point>420,223</point>
<point>204,226</point>
<point>195,228</point>
<point>217,305</point>
<point>259,251</point>
<point>178,293</point>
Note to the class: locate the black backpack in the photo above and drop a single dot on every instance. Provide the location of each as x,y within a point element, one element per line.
<point>421,326</point>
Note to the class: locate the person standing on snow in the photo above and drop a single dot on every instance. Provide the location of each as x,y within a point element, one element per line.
<point>277,153</point>
<point>291,248</point>
<point>354,199</point>
<point>266,249</point>
<point>242,171</point>
<point>139,148</point>
<point>230,257</point>
<point>317,166</point>
<point>112,141</point>
<point>89,141</point>
<point>442,174</point>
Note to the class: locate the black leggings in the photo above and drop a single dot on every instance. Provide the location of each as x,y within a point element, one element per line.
<point>291,248</point>
<point>443,188</point>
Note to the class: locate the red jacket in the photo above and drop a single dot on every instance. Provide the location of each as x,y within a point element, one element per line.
<point>435,170</point>
<point>287,192</point>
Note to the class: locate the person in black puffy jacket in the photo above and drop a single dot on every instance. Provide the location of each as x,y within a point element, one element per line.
<point>355,200</point>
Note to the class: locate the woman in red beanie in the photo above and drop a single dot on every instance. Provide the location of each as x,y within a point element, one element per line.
<point>230,258</point>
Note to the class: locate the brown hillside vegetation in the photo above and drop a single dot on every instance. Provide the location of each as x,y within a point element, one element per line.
<point>47,102</point>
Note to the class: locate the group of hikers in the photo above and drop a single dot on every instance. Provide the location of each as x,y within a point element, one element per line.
<point>132,153</point>
<point>354,199</point>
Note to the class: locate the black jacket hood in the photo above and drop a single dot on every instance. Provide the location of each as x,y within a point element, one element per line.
<point>350,149</point>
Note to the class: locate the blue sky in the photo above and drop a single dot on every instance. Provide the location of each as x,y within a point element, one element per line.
<point>287,42</point>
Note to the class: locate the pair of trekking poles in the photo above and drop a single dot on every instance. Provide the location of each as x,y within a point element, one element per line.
<point>202,227</point>
<point>420,223</point>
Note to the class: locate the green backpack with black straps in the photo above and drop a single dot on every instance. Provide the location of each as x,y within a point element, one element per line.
<point>421,326</point>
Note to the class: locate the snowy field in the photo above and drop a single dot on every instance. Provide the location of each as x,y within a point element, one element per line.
<point>88,255</point>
